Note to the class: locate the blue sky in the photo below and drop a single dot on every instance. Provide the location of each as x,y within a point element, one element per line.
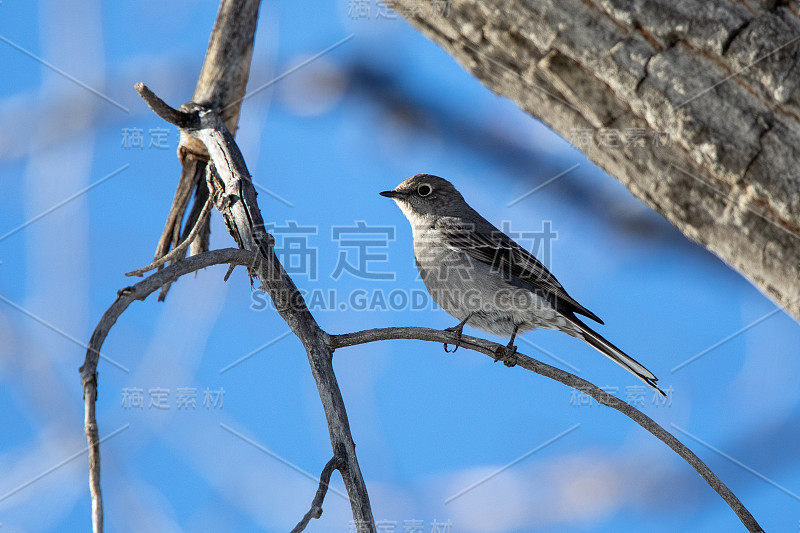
<point>83,204</point>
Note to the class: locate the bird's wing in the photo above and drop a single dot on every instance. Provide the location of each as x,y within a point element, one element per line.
<point>497,250</point>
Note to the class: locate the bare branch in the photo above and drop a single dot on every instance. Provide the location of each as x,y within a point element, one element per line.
<point>194,168</point>
<point>182,119</point>
<point>222,81</point>
<point>337,462</point>
<point>220,86</point>
<point>236,200</point>
<point>88,371</point>
<point>141,290</point>
<point>93,437</point>
<point>498,352</point>
<point>180,249</point>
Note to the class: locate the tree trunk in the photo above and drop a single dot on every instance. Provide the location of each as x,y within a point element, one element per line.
<point>693,105</point>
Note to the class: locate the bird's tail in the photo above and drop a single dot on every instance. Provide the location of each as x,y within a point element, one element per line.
<point>624,360</point>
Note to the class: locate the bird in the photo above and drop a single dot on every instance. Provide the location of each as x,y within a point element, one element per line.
<point>484,279</point>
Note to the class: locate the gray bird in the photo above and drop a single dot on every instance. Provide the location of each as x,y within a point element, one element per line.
<point>481,277</point>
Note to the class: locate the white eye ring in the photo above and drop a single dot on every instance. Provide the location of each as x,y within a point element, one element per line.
<point>424,190</point>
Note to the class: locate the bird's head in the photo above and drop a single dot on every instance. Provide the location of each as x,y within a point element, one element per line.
<point>425,196</point>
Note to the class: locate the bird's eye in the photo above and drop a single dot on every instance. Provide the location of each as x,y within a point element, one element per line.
<point>424,190</point>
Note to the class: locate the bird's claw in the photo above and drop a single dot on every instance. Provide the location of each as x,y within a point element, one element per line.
<point>457,330</point>
<point>507,354</point>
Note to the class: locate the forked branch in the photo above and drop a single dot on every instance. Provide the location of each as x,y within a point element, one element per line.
<point>337,462</point>
<point>235,197</point>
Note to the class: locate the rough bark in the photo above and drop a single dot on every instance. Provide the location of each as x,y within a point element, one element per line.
<point>714,81</point>
<point>220,86</point>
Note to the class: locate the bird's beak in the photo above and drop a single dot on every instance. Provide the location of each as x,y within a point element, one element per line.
<point>394,194</point>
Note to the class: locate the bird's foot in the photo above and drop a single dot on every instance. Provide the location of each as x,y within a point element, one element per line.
<point>507,354</point>
<point>457,330</point>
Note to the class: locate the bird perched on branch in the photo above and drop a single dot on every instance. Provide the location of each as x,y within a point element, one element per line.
<point>484,279</point>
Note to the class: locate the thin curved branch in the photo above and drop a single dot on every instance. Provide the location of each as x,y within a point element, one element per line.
<point>88,371</point>
<point>337,462</point>
<point>498,352</point>
<point>182,247</point>
<point>222,83</point>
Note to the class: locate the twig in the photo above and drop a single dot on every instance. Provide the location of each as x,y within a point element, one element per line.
<point>337,462</point>
<point>497,351</point>
<point>185,121</point>
<point>88,371</point>
<point>194,168</point>
<point>93,438</point>
<point>181,248</point>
